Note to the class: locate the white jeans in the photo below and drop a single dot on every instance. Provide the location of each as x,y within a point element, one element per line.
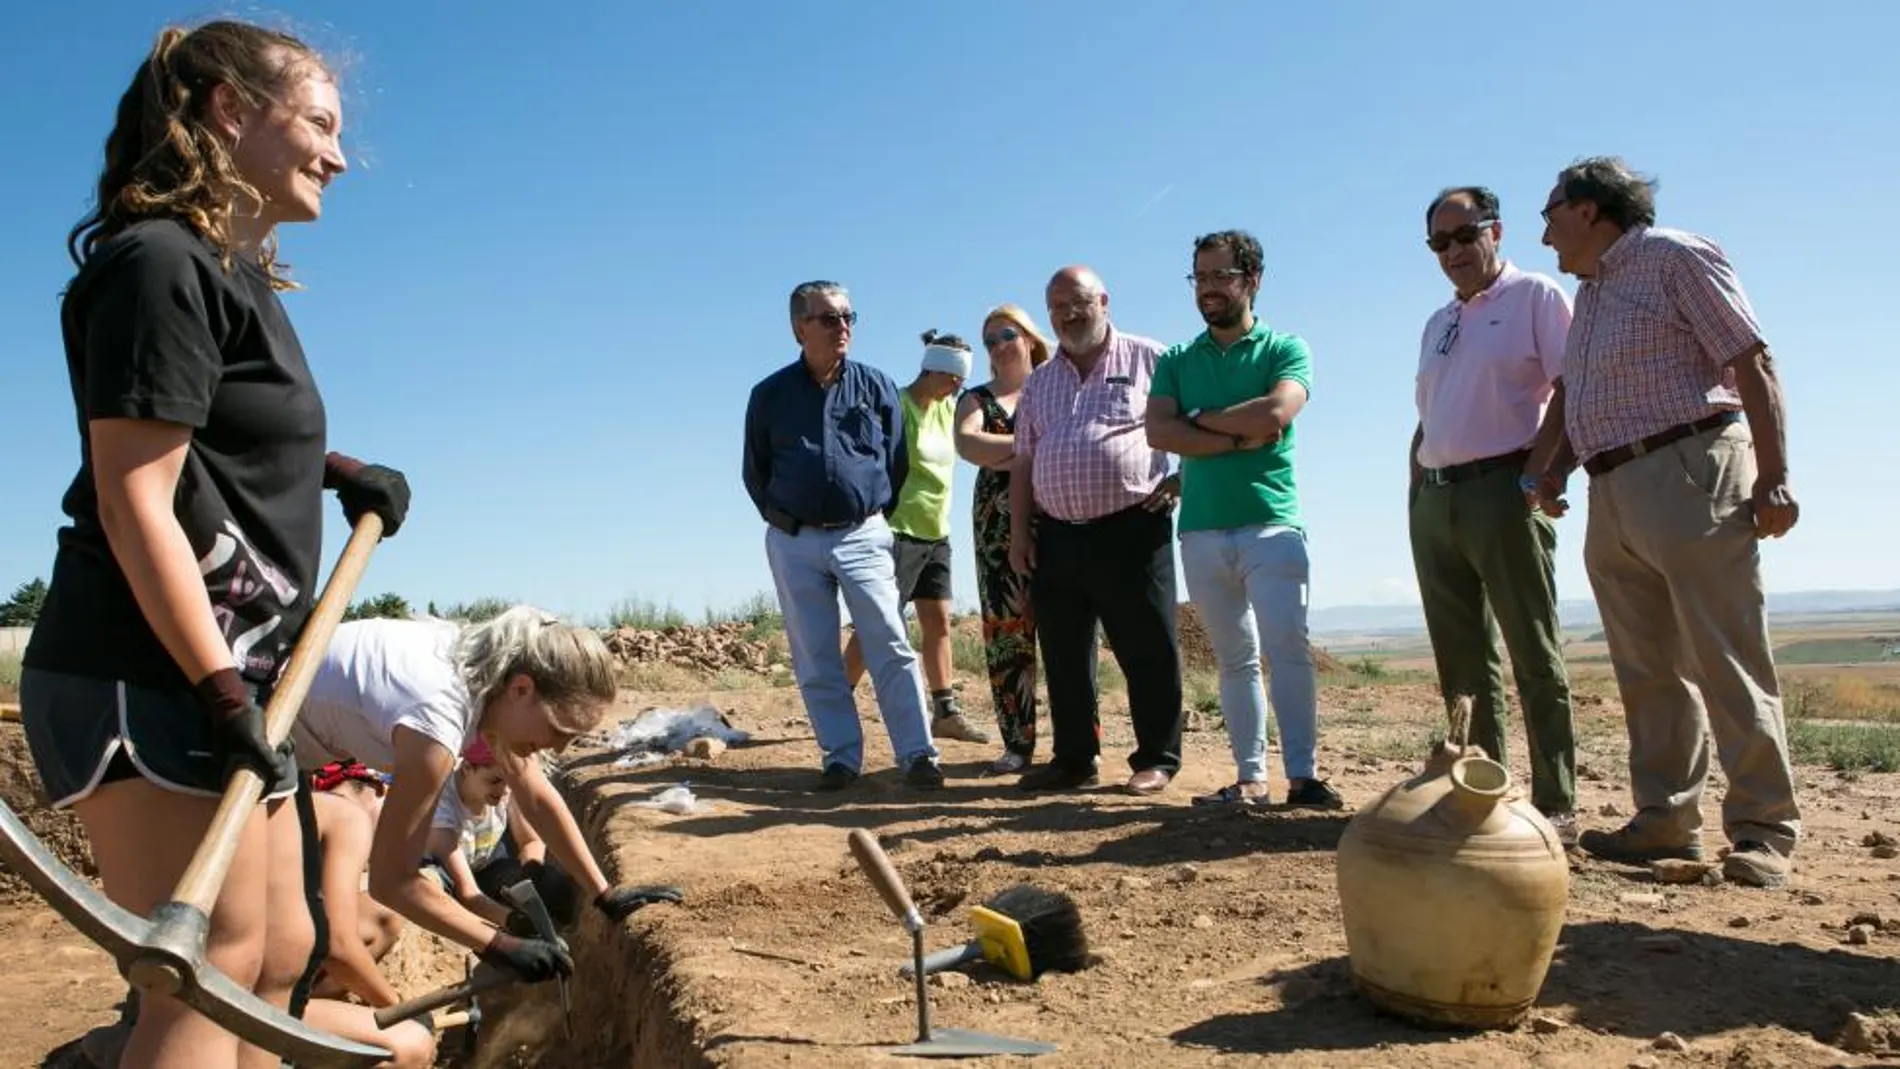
<point>1249,585</point>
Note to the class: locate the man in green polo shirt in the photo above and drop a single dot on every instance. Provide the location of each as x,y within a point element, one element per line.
<point>1225,403</point>
<point>920,526</point>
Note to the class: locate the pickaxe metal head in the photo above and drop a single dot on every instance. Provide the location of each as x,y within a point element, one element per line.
<point>165,954</point>
<point>528,901</point>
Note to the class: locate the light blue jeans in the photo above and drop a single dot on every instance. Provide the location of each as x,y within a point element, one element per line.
<point>1249,585</point>
<point>810,569</point>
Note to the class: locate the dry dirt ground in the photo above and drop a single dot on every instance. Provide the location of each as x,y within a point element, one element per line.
<point>1218,932</point>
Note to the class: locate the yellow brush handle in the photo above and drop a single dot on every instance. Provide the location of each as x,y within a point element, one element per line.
<point>883,875</point>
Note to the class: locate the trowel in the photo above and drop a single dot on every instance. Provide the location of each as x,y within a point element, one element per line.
<point>943,1042</point>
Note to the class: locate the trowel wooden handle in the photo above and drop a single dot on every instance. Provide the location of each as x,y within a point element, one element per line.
<point>883,875</point>
<point>199,886</point>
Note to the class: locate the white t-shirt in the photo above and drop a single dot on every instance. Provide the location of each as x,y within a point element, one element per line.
<point>376,675</point>
<point>480,836</point>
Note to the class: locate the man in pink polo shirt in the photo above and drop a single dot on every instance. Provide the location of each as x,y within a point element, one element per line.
<point>1664,361</point>
<point>1092,524</point>
<point>1484,555</point>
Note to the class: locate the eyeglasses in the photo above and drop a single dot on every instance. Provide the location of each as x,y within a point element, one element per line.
<point>1464,235</point>
<point>1450,337</point>
<point>1001,337</point>
<point>1219,277</point>
<point>1551,207</point>
<point>834,320</point>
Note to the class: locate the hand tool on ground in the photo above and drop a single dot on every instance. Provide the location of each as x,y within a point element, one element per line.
<point>528,901</point>
<point>484,977</point>
<point>944,1042</point>
<point>1025,931</point>
<point>165,953</point>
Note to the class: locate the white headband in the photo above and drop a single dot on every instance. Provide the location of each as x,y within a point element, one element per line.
<point>947,360</point>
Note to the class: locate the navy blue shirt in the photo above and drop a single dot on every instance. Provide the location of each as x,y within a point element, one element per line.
<point>824,454</point>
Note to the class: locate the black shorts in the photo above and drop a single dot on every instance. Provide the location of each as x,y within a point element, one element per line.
<point>84,731</point>
<point>923,568</point>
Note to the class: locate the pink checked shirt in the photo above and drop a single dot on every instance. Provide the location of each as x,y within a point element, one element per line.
<point>1654,336</point>
<point>1486,368</point>
<point>1086,439</point>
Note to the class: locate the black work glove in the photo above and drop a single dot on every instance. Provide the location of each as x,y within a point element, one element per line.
<point>367,488</point>
<point>533,960</point>
<point>618,903</point>
<point>520,926</point>
<point>237,728</point>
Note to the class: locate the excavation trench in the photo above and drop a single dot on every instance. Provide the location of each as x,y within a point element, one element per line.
<point>626,997</point>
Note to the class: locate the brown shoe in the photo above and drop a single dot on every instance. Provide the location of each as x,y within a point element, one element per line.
<point>1150,781</point>
<point>1754,864</point>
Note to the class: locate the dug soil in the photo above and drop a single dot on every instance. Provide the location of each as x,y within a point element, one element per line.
<point>1216,933</point>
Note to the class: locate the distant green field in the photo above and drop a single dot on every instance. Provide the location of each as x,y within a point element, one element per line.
<point>1834,651</point>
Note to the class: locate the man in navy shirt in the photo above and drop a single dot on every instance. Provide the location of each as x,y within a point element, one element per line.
<point>824,459</point>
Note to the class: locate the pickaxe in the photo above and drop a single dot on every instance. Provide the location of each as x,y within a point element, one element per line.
<point>165,954</point>
<point>528,901</point>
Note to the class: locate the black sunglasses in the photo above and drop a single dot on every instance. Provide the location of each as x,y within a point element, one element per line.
<point>834,320</point>
<point>1007,334</point>
<point>1464,235</point>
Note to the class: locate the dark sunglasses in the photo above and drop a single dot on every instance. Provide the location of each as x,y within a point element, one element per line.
<point>1001,337</point>
<point>835,320</point>
<point>1464,235</point>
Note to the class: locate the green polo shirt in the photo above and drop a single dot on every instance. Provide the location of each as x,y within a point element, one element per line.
<point>923,503</point>
<point>1253,487</point>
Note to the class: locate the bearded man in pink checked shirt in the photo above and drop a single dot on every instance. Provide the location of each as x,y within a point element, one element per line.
<point>1663,361</point>
<point>1091,521</point>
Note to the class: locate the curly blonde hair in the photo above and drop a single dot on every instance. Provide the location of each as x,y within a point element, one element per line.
<point>163,159</point>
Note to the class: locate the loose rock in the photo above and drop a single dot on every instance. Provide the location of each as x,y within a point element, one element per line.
<point>1186,874</point>
<point>1676,870</point>
<point>1859,934</point>
<point>1203,921</point>
<point>1886,851</point>
<point>1879,838</point>
<point>1546,1026</point>
<point>1869,1034</point>
<point>1636,898</point>
<point>1671,1041</point>
<point>950,980</point>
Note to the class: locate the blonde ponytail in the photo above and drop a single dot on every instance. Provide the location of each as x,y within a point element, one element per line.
<point>569,665</point>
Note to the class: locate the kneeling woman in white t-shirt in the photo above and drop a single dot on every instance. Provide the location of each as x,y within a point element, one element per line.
<point>407,695</point>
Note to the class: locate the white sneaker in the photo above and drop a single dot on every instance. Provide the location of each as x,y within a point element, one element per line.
<point>957,726</point>
<point>1007,765</point>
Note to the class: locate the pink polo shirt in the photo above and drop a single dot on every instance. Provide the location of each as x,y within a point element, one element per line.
<point>1087,439</point>
<point>1487,366</point>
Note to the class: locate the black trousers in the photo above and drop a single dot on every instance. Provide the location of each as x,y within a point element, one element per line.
<point>1117,571</point>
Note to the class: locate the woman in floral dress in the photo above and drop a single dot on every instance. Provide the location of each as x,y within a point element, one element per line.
<point>986,425</point>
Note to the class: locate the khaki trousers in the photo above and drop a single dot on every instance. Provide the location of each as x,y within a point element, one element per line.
<point>1673,558</point>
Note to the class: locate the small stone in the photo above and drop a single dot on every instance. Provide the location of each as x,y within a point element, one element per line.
<point>1186,874</point>
<point>1812,899</point>
<point>1203,921</point>
<point>1609,810</point>
<point>1671,1041</point>
<point>1132,883</point>
<point>1127,933</point>
<point>1871,920</point>
<point>1879,838</point>
<point>1642,1062</point>
<point>1886,851</point>
<point>1664,943</point>
<point>1859,935</point>
<point>950,981</point>
<point>1640,898</point>
<point>1739,922</point>
<point>1545,1025</point>
<point>1869,1034</point>
<point>1676,870</point>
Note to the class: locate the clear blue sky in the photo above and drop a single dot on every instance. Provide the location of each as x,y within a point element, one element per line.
<point>561,257</point>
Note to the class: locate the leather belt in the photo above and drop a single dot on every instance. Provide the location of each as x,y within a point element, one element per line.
<point>1623,454</point>
<point>1473,468</point>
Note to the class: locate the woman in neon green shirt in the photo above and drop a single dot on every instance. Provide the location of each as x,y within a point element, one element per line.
<point>921,525</point>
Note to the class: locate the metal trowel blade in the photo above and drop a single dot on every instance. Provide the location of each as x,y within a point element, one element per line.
<point>961,1043</point>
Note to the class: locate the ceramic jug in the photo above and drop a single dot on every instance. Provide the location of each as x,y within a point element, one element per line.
<point>1452,891</point>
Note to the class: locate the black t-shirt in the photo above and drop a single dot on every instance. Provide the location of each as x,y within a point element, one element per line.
<point>156,329</point>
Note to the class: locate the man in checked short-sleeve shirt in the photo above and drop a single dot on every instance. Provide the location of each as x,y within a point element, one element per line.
<point>1670,402</point>
<point>1100,545</point>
